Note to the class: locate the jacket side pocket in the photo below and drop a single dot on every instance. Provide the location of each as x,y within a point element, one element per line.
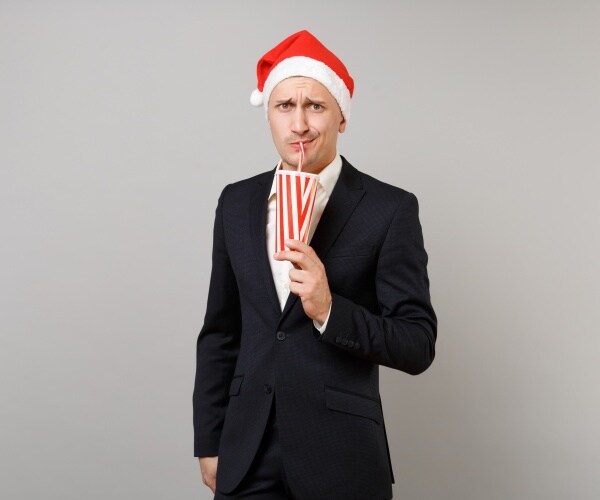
<point>354,404</point>
<point>236,383</point>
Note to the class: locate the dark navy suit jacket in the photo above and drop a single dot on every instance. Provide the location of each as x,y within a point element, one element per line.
<point>250,354</point>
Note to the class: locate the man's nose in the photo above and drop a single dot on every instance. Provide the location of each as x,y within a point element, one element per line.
<point>299,123</point>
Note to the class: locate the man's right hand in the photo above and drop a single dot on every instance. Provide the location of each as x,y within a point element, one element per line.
<point>208,469</point>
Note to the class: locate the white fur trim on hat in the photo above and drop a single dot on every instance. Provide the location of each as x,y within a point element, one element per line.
<point>256,98</point>
<point>311,68</point>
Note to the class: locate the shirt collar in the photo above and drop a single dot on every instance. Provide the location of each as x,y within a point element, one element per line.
<point>327,177</point>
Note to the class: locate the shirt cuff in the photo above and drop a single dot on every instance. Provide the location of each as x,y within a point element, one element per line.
<point>321,327</point>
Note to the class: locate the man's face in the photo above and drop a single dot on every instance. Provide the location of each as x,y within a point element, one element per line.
<point>302,110</point>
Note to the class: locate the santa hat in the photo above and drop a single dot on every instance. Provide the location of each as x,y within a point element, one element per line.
<point>301,54</point>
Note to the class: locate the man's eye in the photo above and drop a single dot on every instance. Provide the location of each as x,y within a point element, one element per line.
<point>316,107</point>
<point>285,105</point>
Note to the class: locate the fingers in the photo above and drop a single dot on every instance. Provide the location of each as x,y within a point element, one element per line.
<point>208,471</point>
<point>299,254</point>
<point>308,279</point>
<point>302,282</point>
<point>211,482</point>
<point>298,275</point>
<point>300,289</point>
<point>300,247</point>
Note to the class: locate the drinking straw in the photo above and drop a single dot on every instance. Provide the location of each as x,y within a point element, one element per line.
<point>301,157</point>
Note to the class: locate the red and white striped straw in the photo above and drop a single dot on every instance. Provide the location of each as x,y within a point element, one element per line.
<point>300,157</point>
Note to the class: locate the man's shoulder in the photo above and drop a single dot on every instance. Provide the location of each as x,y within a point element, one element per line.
<point>262,178</point>
<point>376,187</point>
<point>250,182</point>
<point>249,185</point>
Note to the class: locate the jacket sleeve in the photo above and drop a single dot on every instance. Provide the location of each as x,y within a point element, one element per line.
<point>217,346</point>
<point>403,333</point>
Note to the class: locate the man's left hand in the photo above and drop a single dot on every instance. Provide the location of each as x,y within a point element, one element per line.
<point>308,279</point>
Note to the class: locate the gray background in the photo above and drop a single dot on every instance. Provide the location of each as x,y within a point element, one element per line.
<point>122,121</point>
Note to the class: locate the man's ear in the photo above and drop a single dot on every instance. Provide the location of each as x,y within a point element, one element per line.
<point>342,125</point>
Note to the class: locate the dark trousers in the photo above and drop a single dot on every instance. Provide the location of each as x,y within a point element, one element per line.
<point>265,480</point>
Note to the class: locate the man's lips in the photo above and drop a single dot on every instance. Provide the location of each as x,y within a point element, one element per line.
<point>296,144</point>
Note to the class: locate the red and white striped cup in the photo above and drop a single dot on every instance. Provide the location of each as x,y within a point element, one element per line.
<point>295,202</point>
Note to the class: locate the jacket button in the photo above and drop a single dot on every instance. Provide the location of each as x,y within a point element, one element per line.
<point>356,345</point>
<point>338,339</point>
<point>344,341</point>
<point>280,335</point>
<point>268,389</point>
<point>351,343</point>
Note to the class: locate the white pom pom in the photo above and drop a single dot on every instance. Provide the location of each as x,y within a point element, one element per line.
<point>256,98</point>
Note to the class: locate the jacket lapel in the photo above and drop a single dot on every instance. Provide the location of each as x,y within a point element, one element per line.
<point>259,203</point>
<point>347,193</point>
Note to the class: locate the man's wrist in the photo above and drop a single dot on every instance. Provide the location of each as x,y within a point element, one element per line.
<point>322,326</point>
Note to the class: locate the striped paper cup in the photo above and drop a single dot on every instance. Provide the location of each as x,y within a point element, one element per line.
<point>295,202</point>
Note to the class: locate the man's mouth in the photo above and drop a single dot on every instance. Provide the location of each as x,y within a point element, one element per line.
<point>304,143</point>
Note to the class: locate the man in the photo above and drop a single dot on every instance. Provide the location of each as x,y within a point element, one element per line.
<point>286,397</point>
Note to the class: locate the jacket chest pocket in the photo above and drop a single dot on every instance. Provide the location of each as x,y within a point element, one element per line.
<point>350,270</point>
<point>351,252</point>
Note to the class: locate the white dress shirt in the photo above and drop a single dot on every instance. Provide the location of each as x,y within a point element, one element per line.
<point>280,269</point>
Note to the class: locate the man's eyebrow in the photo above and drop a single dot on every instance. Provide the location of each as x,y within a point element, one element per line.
<point>315,101</point>
<point>283,101</point>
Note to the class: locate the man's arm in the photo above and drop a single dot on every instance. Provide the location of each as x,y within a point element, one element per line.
<point>403,335</point>
<point>217,346</point>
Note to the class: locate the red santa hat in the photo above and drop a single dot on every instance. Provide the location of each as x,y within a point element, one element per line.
<point>301,54</point>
